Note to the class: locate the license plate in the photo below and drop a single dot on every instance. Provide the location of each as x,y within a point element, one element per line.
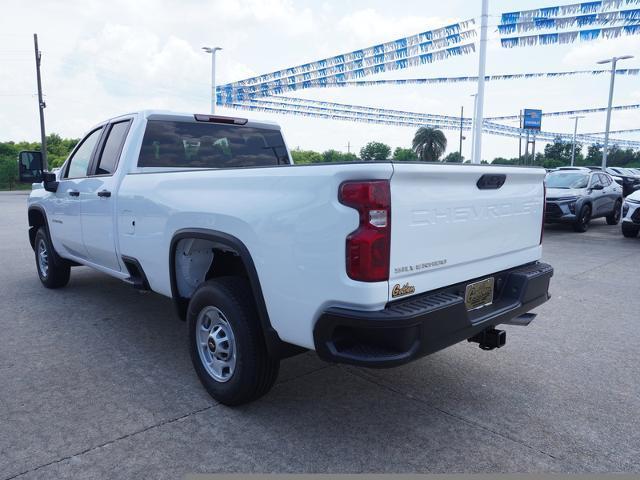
<point>479,294</point>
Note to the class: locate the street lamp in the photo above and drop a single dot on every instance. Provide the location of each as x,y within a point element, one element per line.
<point>212,51</point>
<point>575,132</point>
<point>613,61</point>
<point>473,126</point>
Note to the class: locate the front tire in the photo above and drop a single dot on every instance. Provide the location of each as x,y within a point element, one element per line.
<point>226,342</point>
<point>582,222</point>
<point>52,274</point>
<point>630,231</point>
<point>614,217</point>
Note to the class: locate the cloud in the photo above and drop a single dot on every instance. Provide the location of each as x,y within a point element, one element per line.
<point>585,55</point>
<point>370,25</point>
<point>281,12</point>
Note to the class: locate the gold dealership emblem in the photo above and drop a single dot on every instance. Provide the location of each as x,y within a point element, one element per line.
<point>479,294</point>
<point>400,291</point>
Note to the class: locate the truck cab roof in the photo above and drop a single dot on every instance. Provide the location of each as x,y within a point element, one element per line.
<point>154,114</point>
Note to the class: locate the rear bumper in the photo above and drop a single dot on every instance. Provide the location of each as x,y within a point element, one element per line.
<point>423,324</point>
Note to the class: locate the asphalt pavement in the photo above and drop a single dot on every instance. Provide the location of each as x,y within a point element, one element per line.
<point>96,382</point>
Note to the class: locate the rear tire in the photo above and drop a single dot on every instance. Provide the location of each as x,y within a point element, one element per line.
<point>227,344</point>
<point>582,222</point>
<point>614,217</point>
<point>52,274</point>
<point>630,231</point>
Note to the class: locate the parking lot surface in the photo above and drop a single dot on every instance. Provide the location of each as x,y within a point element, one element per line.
<point>96,382</point>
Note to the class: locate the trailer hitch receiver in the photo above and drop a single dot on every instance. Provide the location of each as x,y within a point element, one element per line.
<point>490,338</point>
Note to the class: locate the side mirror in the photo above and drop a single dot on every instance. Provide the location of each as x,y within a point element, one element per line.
<point>50,182</point>
<point>30,167</point>
<point>597,187</point>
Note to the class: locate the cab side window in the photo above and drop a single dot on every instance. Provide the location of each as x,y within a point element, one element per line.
<point>108,161</point>
<point>604,180</point>
<point>79,162</point>
<point>595,180</point>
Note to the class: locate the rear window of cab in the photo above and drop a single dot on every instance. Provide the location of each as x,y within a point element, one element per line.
<point>208,145</point>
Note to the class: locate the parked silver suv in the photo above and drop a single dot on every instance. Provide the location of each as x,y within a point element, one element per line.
<point>577,195</point>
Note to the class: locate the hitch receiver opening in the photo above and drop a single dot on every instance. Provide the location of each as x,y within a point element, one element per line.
<point>490,338</point>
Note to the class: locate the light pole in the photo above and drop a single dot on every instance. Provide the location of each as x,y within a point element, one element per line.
<point>613,61</point>
<point>461,124</point>
<point>473,126</point>
<point>575,132</point>
<point>482,63</point>
<point>212,51</point>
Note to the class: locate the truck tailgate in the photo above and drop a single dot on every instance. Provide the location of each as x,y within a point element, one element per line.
<point>446,229</point>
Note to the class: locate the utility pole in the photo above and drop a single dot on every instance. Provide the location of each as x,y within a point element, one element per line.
<point>212,51</point>
<point>575,132</point>
<point>348,146</point>
<point>461,122</point>
<point>533,150</point>
<point>41,105</point>
<point>613,61</point>
<point>520,139</point>
<point>473,126</point>
<point>482,64</point>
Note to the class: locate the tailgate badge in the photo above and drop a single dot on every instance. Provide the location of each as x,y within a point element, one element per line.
<point>491,181</point>
<point>399,291</point>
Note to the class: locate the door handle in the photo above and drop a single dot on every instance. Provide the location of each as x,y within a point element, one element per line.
<point>74,193</point>
<point>104,193</point>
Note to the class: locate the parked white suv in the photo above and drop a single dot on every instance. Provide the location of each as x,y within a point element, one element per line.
<point>631,215</point>
<point>372,264</point>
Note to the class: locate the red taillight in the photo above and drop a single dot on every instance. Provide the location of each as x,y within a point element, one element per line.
<point>368,247</point>
<point>544,211</point>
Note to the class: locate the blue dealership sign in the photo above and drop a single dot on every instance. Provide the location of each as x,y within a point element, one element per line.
<point>532,119</point>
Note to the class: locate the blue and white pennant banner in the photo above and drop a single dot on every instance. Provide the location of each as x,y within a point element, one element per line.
<point>628,130</point>
<point>382,118</point>
<point>377,54</point>
<point>225,93</point>
<point>625,17</point>
<point>572,112</point>
<point>306,105</point>
<point>414,57</point>
<point>570,37</point>
<point>565,10</point>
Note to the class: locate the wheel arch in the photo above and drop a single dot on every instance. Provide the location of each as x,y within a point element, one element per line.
<point>37,218</point>
<point>274,344</point>
<point>587,202</point>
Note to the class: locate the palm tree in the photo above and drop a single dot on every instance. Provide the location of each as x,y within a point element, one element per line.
<point>429,144</point>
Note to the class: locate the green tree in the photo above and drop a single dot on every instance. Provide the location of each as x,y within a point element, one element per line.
<point>334,156</point>
<point>429,144</point>
<point>454,157</point>
<point>594,155</point>
<point>375,151</point>
<point>301,157</point>
<point>8,172</point>
<point>505,161</point>
<point>404,155</point>
<point>557,151</point>
<point>552,163</point>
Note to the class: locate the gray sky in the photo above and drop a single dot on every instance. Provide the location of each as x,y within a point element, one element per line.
<point>101,59</point>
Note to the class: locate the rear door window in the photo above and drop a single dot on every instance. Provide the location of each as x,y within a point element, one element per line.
<point>108,161</point>
<point>595,180</point>
<point>604,179</point>
<point>208,145</point>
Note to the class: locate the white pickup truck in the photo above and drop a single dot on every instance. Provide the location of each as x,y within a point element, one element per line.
<point>370,264</point>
